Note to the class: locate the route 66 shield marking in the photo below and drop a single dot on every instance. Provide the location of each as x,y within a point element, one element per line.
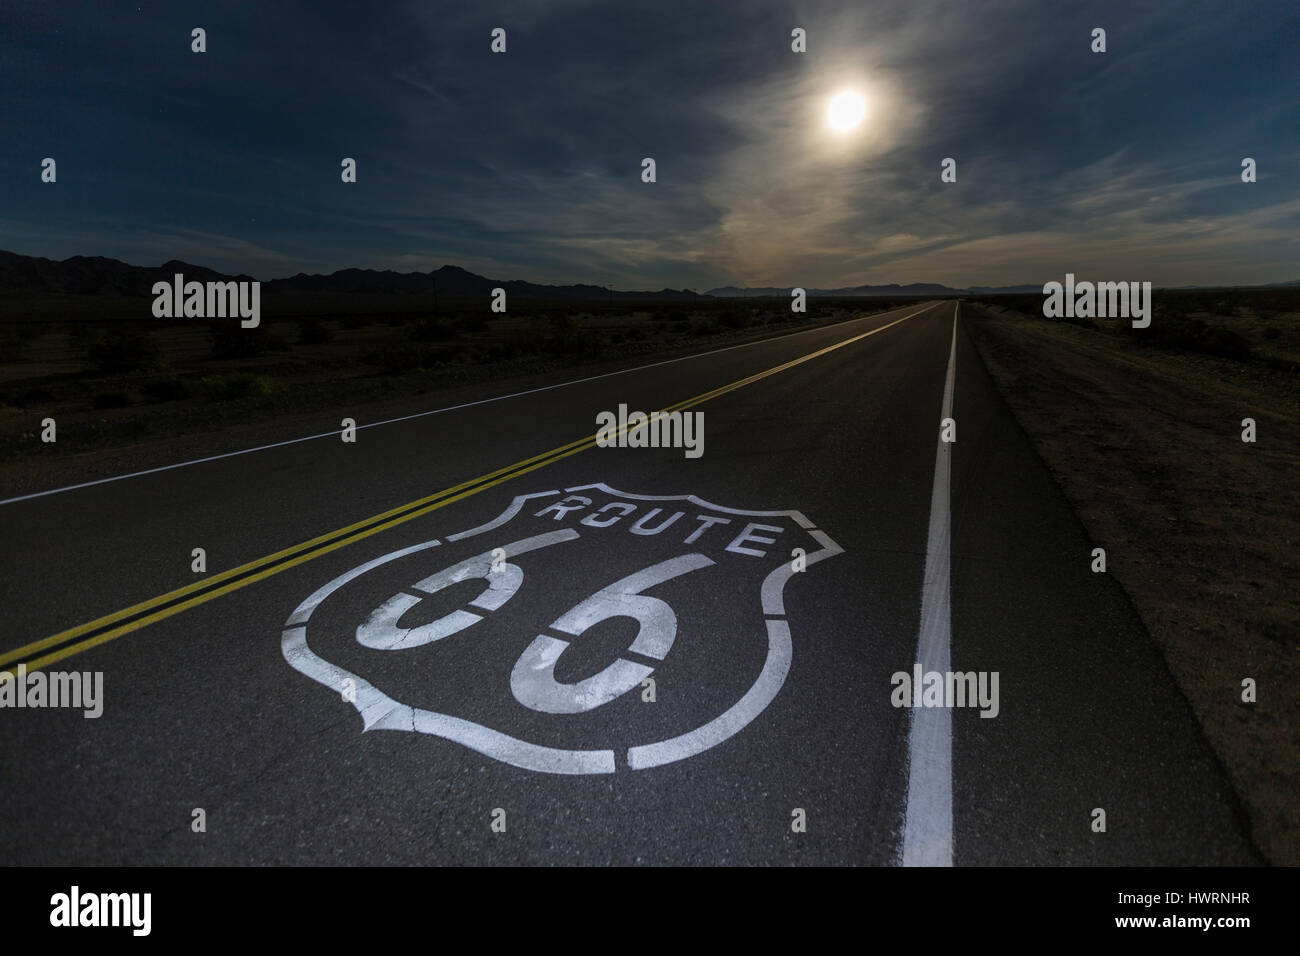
<point>667,555</point>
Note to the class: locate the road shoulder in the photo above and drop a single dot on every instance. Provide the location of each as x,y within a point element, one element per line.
<point>1199,527</point>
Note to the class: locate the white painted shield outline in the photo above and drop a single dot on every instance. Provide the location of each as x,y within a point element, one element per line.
<point>380,712</point>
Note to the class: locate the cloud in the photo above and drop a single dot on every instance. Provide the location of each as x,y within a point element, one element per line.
<point>528,163</point>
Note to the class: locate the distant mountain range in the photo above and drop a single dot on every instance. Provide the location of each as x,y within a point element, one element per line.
<point>915,288</point>
<point>91,275</point>
<point>931,288</point>
<point>96,275</point>
<point>453,282</point>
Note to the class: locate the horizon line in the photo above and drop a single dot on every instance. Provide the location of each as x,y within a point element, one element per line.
<point>608,288</point>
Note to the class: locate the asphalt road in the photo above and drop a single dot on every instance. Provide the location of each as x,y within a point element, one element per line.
<point>767,699</point>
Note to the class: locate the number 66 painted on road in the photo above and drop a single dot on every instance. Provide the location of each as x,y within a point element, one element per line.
<point>533,678</point>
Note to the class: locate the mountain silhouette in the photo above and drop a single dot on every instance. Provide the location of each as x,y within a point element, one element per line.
<point>97,275</point>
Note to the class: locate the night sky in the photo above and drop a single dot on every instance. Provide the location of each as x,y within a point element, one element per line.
<point>527,165</point>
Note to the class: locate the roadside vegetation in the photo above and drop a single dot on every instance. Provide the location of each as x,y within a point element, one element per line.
<point>1246,324</point>
<point>93,358</point>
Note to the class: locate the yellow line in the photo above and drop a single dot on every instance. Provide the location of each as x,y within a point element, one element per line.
<point>63,636</point>
<point>167,612</point>
<point>314,548</point>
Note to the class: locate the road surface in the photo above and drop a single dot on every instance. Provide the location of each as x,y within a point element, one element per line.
<point>495,631</point>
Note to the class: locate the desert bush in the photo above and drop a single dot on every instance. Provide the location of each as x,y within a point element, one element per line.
<point>122,348</point>
<point>112,399</point>
<point>472,323</point>
<point>734,319</point>
<point>429,330</point>
<point>1171,328</point>
<point>231,340</point>
<point>314,331</point>
<point>1224,342</point>
<point>14,341</point>
<point>402,356</point>
<point>82,335</point>
<point>220,388</point>
<point>165,389</point>
<point>565,335</point>
<point>39,395</point>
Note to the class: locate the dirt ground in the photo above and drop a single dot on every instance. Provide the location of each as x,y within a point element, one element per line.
<point>1200,528</point>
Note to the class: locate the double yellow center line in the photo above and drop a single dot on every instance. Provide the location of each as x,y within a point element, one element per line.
<point>83,637</point>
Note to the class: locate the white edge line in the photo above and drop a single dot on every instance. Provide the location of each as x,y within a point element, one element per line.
<point>927,831</point>
<point>435,411</point>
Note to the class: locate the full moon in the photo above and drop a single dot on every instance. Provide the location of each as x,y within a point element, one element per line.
<point>846,111</point>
